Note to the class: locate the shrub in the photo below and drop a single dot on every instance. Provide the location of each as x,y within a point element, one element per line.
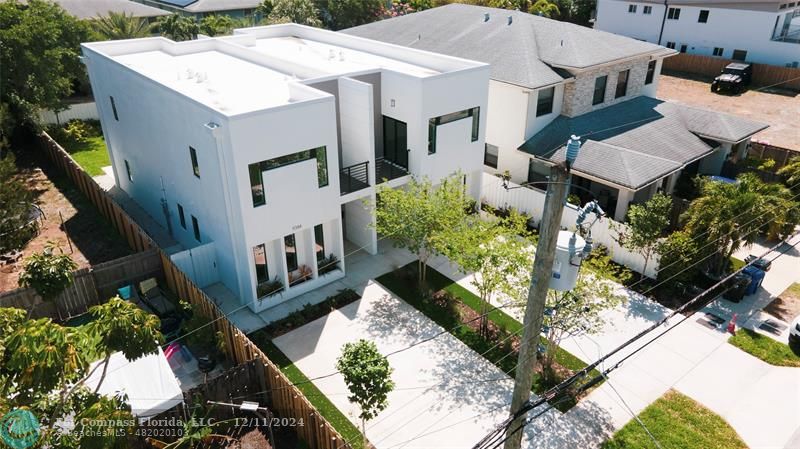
<point>48,272</point>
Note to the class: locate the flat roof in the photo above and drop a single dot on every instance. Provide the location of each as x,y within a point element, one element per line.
<point>334,59</point>
<point>216,79</point>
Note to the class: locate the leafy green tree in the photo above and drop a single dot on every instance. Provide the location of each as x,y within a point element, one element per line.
<point>121,326</point>
<point>368,377</point>
<point>792,173</point>
<point>350,13</point>
<point>498,255</point>
<point>104,422</point>
<point>48,272</point>
<point>16,202</point>
<point>420,216</point>
<point>678,252</point>
<point>646,225</point>
<point>217,25</point>
<point>117,25</point>
<point>578,311</point>
<point>730,215</point>
<point>39,56</point>
<point>177,27</point>
<point>544,8</point>
<point>302,12</point>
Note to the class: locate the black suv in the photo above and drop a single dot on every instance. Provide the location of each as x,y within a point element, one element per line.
<point>734,77</point>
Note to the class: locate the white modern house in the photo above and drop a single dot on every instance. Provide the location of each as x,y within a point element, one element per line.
<point>258,150</point>
<point>551,80</point>
<point>759,31</point>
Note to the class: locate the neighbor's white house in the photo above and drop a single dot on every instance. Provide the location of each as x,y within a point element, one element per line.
<point>551,80</point>
<point>261,147</point>
<point>759,31</point>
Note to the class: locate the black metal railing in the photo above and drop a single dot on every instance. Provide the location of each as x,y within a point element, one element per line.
<point>354,178</point>
<point>388,170</point>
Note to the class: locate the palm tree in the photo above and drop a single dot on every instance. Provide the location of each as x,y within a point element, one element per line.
<point>178,27</point>
<point>121,26</point>
<point>792,172</point>
<point>544,8</point>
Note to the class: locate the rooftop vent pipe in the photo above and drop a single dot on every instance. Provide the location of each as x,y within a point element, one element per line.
<point>486,17</point>
<point>510,19</point>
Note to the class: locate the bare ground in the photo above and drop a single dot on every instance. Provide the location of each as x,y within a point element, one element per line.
<point>787,305</point>
<point>91,238</point>
<point>774,106</point>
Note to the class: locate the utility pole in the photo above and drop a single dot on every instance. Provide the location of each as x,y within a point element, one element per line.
<point>549,227</point>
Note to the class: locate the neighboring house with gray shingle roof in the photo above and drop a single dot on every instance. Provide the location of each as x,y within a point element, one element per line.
<point>553,79</point>
<point>201,8</point>
<point>92,9</point>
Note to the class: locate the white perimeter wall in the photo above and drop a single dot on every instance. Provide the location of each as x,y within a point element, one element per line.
<point>77,111</point>
<point>531,202</point>
<point>356,121</point>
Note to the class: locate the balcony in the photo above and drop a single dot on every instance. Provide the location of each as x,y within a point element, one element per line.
<point>354,178</point>
<point>388,170</point>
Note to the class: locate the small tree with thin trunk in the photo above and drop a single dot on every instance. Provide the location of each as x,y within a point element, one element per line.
<point>368,377</point>
<point>500,255</point>
<point>48,272</point>
<point>646,225</point>
<point>121,326</point>
<point>420,217</point>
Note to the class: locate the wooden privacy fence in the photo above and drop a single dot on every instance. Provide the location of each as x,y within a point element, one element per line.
<point>763,74</point>
<point>780,155</point>
<point>287,400</point>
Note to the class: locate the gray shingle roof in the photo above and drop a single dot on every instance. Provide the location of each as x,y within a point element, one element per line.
<point>638,141</point>
<point>524,52</point>
<point>90,9</point>
<point>221,5</point>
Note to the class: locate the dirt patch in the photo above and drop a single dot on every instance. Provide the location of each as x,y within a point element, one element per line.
<point>83,233</point>
<point>775,107</point>
<point>787,305</point>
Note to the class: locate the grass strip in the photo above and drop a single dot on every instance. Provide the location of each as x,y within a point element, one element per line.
<point>765,348</point>
<point>677,422</point>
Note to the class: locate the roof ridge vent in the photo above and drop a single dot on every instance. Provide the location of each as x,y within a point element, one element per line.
<point>510,19</point>
<point>486,17</point>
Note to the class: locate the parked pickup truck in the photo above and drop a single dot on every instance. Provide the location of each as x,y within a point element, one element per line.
<point>734,77</point>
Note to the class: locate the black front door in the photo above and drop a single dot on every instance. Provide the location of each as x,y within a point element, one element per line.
<point>395,142</point>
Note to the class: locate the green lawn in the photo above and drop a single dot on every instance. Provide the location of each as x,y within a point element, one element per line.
<point>765,348</point>
<point>91,153</point>
<point>325,407</point>
<point>677,422</point>
<point>399,283</point>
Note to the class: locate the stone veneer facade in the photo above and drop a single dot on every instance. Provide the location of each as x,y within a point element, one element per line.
<point>578,94</point>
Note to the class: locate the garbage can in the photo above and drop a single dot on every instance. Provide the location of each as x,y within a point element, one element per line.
<point>737,287</point>
<point>756,276</point>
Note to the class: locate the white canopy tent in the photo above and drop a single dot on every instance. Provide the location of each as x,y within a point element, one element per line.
<point>148,382</point>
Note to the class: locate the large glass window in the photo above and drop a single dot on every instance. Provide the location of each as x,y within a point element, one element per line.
<point>291,252</point>
<point>395,141</point>
<point>260,262</point>
<point>599,89</point>
<point>622,84</point>
<point>651,72</point>
<point>256,170</point>
<point>452,117</point>
<point>319,242</point>
<point>544,101</point>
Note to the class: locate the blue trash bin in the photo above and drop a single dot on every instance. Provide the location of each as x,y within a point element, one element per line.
<point>756,276</point>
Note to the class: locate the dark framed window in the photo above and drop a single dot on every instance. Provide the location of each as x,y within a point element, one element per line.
<point>684,47</point>
<point>196,228</point>
<point>674,13</point>
<point>291,252</point>
<point>703,16</point>
<point>739,55</point>
<point>718,51</point>
<point>128,171</point>
<point>622,84</point>
<point>544,101</point>
<point>181,216</point>
<point>395,141</point>
<point>452,117</point>
<point>651,72</point>
<point>632,9</point>
<point>671,45</point>
<point>647,10</point>
<point>490,155</point>
<point>599,90</point>
<point>256,184</point>
<point>537,173</point>
<point>195,166</point>
<point>114,108</point>
<point>260,263</point>
<point>319,242</point>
